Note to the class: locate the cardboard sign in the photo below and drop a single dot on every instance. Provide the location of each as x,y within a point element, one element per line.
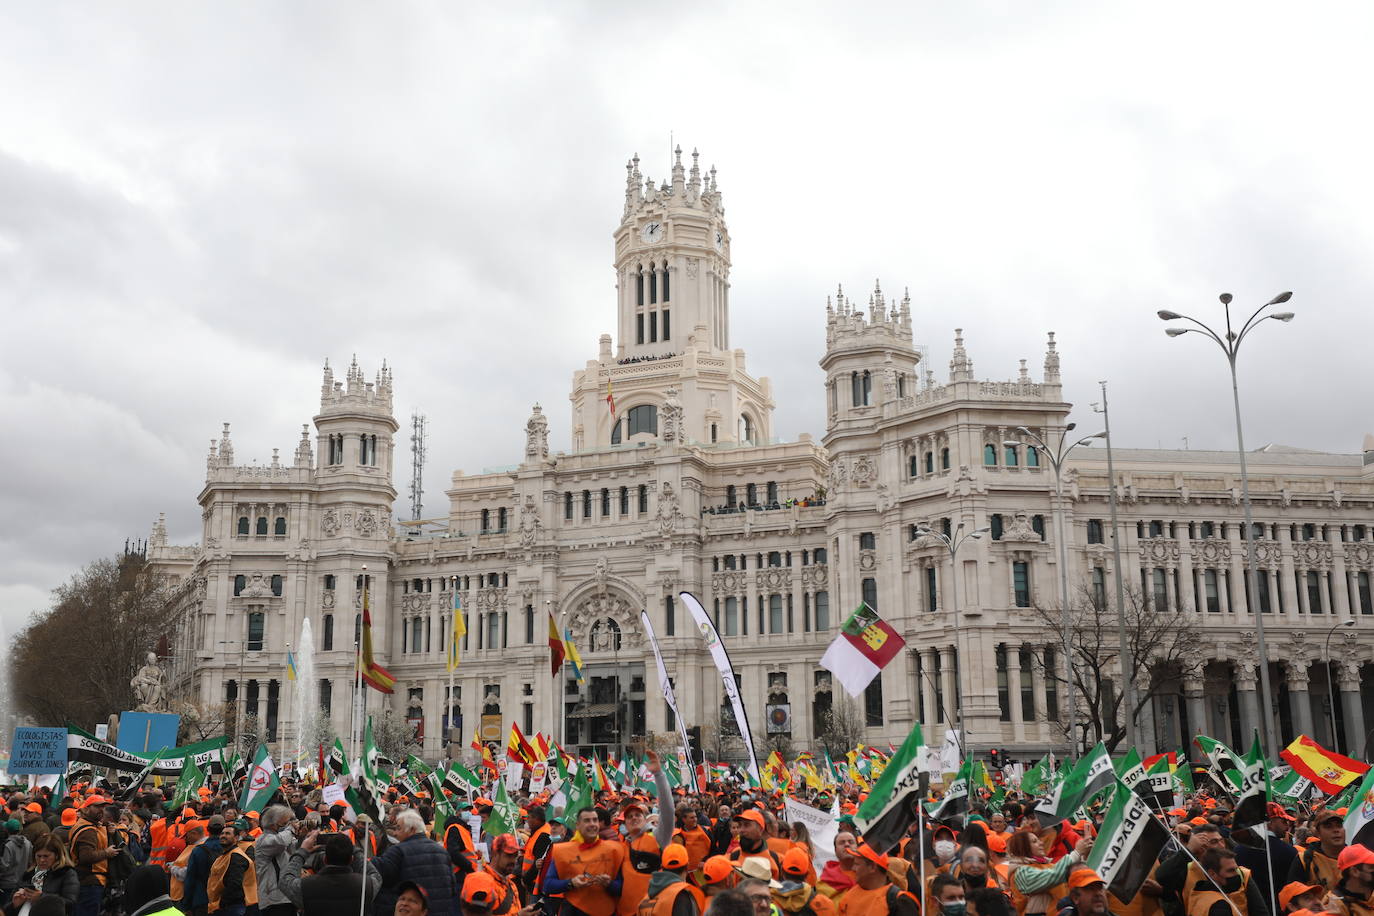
<point>38,751</point>
<point>333,794</point>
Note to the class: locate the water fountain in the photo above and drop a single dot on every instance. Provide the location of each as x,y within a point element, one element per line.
<point>306,708</point>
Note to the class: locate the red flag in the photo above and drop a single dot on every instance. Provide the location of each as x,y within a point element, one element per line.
<point>556,651</point>
<point>373,674</point>
<point>610,398</point>
<point>321,763</point>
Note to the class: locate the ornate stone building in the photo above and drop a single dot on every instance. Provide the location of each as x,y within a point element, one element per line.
<point>685,488</point>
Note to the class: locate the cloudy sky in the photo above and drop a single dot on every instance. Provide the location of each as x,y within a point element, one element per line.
<point>199,203</point>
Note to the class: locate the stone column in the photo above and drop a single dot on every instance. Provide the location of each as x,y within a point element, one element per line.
<point>1014,689</point>
<point>1298,698</point>
<point>1248,698</point>
<point>1287,583</point>
<point>1197,706</point>
<point>947,684</point>
<point>1040,696</point>
<point>1353,707</point>
<point>1234,585</point>
<point>1186,578</point>
<point>927,688</point>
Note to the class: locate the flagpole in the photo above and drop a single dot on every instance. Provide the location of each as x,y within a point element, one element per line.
<point>1223,893</point>
<point>362,897</point>
<point>289,662</point>
<point>452,654</point>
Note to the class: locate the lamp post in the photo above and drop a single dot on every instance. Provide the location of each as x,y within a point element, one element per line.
<point>952,543</point>
<point>1056,454</point>
<point>240,691</point>
<point>1127,661</point>
<point>1331,691</point>
<point>1230,345</point>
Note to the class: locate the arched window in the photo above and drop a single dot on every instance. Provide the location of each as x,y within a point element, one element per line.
<point>243,525</point>
<point>1032,457</point>
<point>930,462</point>
<point>911,465</point>
<point>642,419</point>
<point>653,284</point>
<point>261,527</point>
<point>666,297</point>
<point>279,527</point>
<point>1010,456</point>
<point>747,429</point>
<point>868,388</point>
<point>639,287</point>
<point>856,390</point>
<point>486,520</point>
<point>944,459</point>
<point>240,582</point>
<point>990,455</point>
<point>276,585</point>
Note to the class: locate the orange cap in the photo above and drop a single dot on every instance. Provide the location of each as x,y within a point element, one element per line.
<point>997,842</point>
<point>868,853</point>
<point>1297,889</point>
<point>795,862</point>
<point>35,807</point>
<point>674,856</point>
<point>1353,855</point>
<point>506,843</point>
<point>480,891</point>
<point>716,869</point>
<point>68,817</point>
<point>1199,820</point>
<point>750,814</point>
<point>1085,876</point>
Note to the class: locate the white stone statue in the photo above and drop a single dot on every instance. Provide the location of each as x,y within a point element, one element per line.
<point>537,436</point>
<point>670,419</point>
<point>148,687</point>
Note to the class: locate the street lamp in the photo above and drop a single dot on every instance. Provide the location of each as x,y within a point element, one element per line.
<point>240,690</point>
<point>1127,661</point>
<point>1056,454</point>
<point>952,544</point>
<point>1330,691</point>
<point>1230,345</point>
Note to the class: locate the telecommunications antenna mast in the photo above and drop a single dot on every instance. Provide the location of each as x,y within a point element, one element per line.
<point>417,464</point>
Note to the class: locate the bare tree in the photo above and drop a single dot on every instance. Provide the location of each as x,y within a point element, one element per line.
<point>395,737</point>
<point>780,742</point>
<point>1162,643</point>
<point>201,721</point>
<point>74,661</point>
<point>843,727</point>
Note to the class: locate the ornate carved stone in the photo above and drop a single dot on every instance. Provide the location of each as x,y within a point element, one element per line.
<point>530,525</point>
<point>670,417</point>
<point>868,560</point>
<point>864,472</point>
<point>366,523</point>
<point>1212,552</point>
<point>327,599</point>
<point>1359,554</point>
<point>329,522</point>
<point>256,587</point>
<point>1020,529</point>
<point>668,510</point>
<point>536,435</point>
<point>1348,676</point>
<point>1159,552</point>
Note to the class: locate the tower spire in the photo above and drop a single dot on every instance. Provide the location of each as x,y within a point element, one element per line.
<point>960,366</point>
<point>1051,362</point>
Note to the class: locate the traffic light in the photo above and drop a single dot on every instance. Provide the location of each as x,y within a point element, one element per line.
<point>995,755</point>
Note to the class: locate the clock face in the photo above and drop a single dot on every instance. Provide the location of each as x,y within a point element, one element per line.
<point>652,232</point>
<point>720,239</point>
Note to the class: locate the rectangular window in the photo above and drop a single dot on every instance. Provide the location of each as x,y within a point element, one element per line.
<point>639,327</point>
<point>870,593</point>
<point>775,613</point>
<point>822,611</point>
<point>1020,583</point>
<point>873,702</point>
<point>529,624</point>
<point>1003,696</point>
<point>1027,685</point>
<point>257,625</point>
<point>653,327</point>
<point>669,616</point>
<point>586,503</point>
<point>1100,586</point>
<point>867,541</point>
<point>605,502</point>
<point>493,630</point>
<point>1095,531</point>
<point>1366,601</point>
<point>1314,591</point>
<point>995,521</point>
<point>643,498</point>
<point>1211,591</point>
<point>567,505</point>
<point>326,695</point>
<point>624,501</point>
<point>932,591</point>
<point>1161,589</point>
<point>732,616</point>
<point>667,323</point>
<point>327,636</point>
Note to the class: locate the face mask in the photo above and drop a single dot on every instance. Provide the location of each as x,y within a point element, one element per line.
<point>944,848</point>
<point>952,908</point>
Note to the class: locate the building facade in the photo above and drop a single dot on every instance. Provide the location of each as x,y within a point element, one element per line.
<point>683,487</point>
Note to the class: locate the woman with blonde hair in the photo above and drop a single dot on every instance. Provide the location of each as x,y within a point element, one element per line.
<point>53,872</point>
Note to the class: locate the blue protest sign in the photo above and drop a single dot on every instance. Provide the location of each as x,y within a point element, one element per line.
<point>38,751</point>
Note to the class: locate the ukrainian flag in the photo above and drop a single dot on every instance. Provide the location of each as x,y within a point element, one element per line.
<point>290,665</point>
<point>574,658</point>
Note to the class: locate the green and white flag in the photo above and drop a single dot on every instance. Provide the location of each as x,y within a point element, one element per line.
<point>891,806</point>
<point>1224,764</point>
<point>579,793</point>
<point>262,782</point>
<point>1158,786</point>
<point>338,759</point>
<point>505,814</point>
<point>1128,844</point>
<point>955,803</point>
<point>1129,769</point>
<point>1291,786</point>
<point>1089,776</point>
<point>190,780</point>
<point>1359,817</point>
<point>1033,783</point>
<point>1252,793</point>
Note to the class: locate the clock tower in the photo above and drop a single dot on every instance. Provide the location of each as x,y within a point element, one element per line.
<point>672,260</point>
<point>669,375</point>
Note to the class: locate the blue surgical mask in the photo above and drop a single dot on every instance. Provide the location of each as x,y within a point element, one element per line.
<point>952,908</point>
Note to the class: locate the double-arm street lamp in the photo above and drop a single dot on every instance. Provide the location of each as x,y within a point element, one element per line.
<point>1230,342</point>
<point>1331,691</point>
<point>1056,453</point>
<point>952,542</point>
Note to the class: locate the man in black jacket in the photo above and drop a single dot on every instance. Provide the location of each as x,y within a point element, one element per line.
<point>415,857</point>
<point>333,889</point>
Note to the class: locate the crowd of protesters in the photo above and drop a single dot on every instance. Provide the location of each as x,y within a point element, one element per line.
<point>726,850</point>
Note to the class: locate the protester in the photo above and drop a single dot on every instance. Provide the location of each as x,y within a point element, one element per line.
<point>1088,893</point>
<point>587,870</point>
<point>198,868</point>
<point>232,886</point>
<point>14,858</point>
<point>34,827</point>
<point>416,858</point>
<point>52,873</point>
<point>1352,894</point>
<point>146,892</point>
<point>1299,896</point>
<point>1179,872</point>
<point>176,871</point>
<point>1035,881</point>
<point>1317,863</point>
<point>873,894</point>
<point>270,852</point>
<point>92,852</point>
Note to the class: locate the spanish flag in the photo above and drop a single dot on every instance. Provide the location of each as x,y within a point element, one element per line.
<point>373,674</point>
<point>517,748</point>
<point>556,650</point>
<point>610,398</point>
<point>1328,770</point>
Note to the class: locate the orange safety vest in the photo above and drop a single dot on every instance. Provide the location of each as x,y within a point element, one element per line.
<point>601,858</point>
<point>642,858</point>
<point>662,905</point>
<point>697,842</point>
<point>1196,876</point>
<point>178,887</point>
<point>100,869</point>
<point>214,887</point>
<point>157,834</point>
<point>527,862</point>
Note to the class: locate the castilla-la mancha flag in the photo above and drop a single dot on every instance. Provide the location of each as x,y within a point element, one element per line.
<point>864,647</point>
<point>1327,770</point>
